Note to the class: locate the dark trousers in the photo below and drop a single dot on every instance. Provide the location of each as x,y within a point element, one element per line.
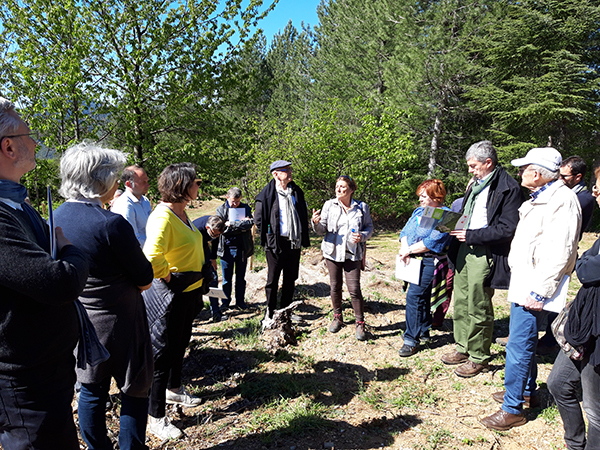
<point>37,415</point>
<point>168,365</point>
<point>352,271</point>
<point>418,305</point>
<point>567,378</point>
<point>233,258</point>
<point>288,262</point>
<point>92,418</point>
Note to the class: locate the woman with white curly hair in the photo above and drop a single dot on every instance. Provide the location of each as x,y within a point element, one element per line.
<point>119,271</point>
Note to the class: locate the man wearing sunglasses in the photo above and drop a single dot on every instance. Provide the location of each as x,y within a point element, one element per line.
<point>39,326</point>
<point>281,217</point>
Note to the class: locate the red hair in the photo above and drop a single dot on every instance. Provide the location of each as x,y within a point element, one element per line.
<point>435,189</point>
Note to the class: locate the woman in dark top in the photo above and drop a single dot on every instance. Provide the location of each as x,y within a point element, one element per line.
<point>119,271</point>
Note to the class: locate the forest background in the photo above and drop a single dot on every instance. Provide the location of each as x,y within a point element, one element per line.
<point>389,92</point>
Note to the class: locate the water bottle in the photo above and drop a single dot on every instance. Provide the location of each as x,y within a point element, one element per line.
<point>350,244</point>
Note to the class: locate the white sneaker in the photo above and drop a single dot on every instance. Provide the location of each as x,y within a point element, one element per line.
<point>162,428</point>
<point>183,398</point>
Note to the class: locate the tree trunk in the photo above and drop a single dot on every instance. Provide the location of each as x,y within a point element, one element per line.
<point>435,145</point>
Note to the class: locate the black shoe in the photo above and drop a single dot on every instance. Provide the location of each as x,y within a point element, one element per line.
<point>220,318</point>
<point>407,350</point>
<point>424,340</point>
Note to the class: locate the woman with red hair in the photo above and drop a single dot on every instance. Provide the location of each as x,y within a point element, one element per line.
<point>429,245</point>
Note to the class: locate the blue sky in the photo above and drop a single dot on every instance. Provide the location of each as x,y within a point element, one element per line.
<point>297,10</point>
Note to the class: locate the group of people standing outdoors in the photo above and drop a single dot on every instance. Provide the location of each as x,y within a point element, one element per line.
<point>527,247</point>
<point>138,276</point>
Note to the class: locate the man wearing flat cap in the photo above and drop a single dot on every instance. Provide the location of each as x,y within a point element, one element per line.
<point>281,218</point>
<point>542,253</point>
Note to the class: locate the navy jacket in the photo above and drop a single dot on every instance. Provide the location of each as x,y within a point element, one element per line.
<point>503,202</point>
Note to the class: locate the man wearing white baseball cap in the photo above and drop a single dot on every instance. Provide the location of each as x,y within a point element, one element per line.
<point>542,252</point>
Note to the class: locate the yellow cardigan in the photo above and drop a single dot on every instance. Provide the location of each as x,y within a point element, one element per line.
<point>171,246</point>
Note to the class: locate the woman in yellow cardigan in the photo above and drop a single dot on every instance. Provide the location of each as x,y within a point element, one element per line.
<point>174,246</point>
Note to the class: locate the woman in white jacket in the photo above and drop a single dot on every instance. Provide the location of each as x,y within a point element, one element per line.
<point>346,224</point>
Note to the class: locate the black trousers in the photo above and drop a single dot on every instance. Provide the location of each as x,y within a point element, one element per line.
<point>168,365</point>
<point>288,262</point>
<point>38,414</point>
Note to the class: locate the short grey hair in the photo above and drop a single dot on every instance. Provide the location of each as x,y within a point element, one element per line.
<point>8,122</point>
<point>234,192</point>
<point>482,150</point>
<point>88,170</point>
<point>216,223</point>
<point>546,174</point>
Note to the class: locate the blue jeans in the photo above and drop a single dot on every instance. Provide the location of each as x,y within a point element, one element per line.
<point>520,372</point>
<point>418,305</point>
<point>92,418</point>
<point>233,259</point>
<point>566,379</point>
<point>37,414</point>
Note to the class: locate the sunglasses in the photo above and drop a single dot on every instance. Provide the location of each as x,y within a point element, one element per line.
<point>198,182</point>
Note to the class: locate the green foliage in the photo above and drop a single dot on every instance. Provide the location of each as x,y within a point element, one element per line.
<point>538,76</point>
<point>372,151</point>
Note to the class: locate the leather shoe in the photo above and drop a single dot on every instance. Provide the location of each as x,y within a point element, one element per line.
<point>407,350</point>
<point>454,358</point>
<point>470,369</point>
<point>530,402</point>
<point>502,421</point>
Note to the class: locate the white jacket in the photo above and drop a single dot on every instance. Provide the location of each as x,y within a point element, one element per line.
<point>544,248</point>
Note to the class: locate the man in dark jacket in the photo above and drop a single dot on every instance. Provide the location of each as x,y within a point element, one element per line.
<point>38,320</point>
<point>211,228</point>
<point>281,218</point>
<point>236,245</point>
<point>480,256</point>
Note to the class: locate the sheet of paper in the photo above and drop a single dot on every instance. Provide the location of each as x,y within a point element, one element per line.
<point>520,289</point>
<point>216,292</point>
<point>410,272</point>
<point>236,214</point>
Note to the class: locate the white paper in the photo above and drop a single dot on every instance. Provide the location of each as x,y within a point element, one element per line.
<point>520,289</point>
<point>410,272</point>
<point>236,214</point>
<point>216,292</point>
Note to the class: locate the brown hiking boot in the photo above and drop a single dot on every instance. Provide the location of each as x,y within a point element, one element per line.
<point>336,324</point>
<point>361,335</point>
<point>470,369</point>
<point>454,358</point>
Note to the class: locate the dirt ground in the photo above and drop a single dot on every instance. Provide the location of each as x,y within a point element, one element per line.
<point>332,391</point>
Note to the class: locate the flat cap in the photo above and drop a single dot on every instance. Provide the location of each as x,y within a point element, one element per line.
<point>279,164</point>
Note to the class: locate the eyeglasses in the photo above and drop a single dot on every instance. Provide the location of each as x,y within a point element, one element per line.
<point>564,177</point>
<point>34,136</point>
<point>285,169</point>
<point>198,182</point>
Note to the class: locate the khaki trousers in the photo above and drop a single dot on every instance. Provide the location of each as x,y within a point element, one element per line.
<point>473,310</point>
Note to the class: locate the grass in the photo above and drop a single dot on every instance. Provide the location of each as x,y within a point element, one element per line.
<point>247,332</point>
<point>550,414</point>
<point>288,417</point>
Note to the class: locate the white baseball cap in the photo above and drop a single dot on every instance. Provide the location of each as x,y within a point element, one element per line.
<point>546,157</point>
